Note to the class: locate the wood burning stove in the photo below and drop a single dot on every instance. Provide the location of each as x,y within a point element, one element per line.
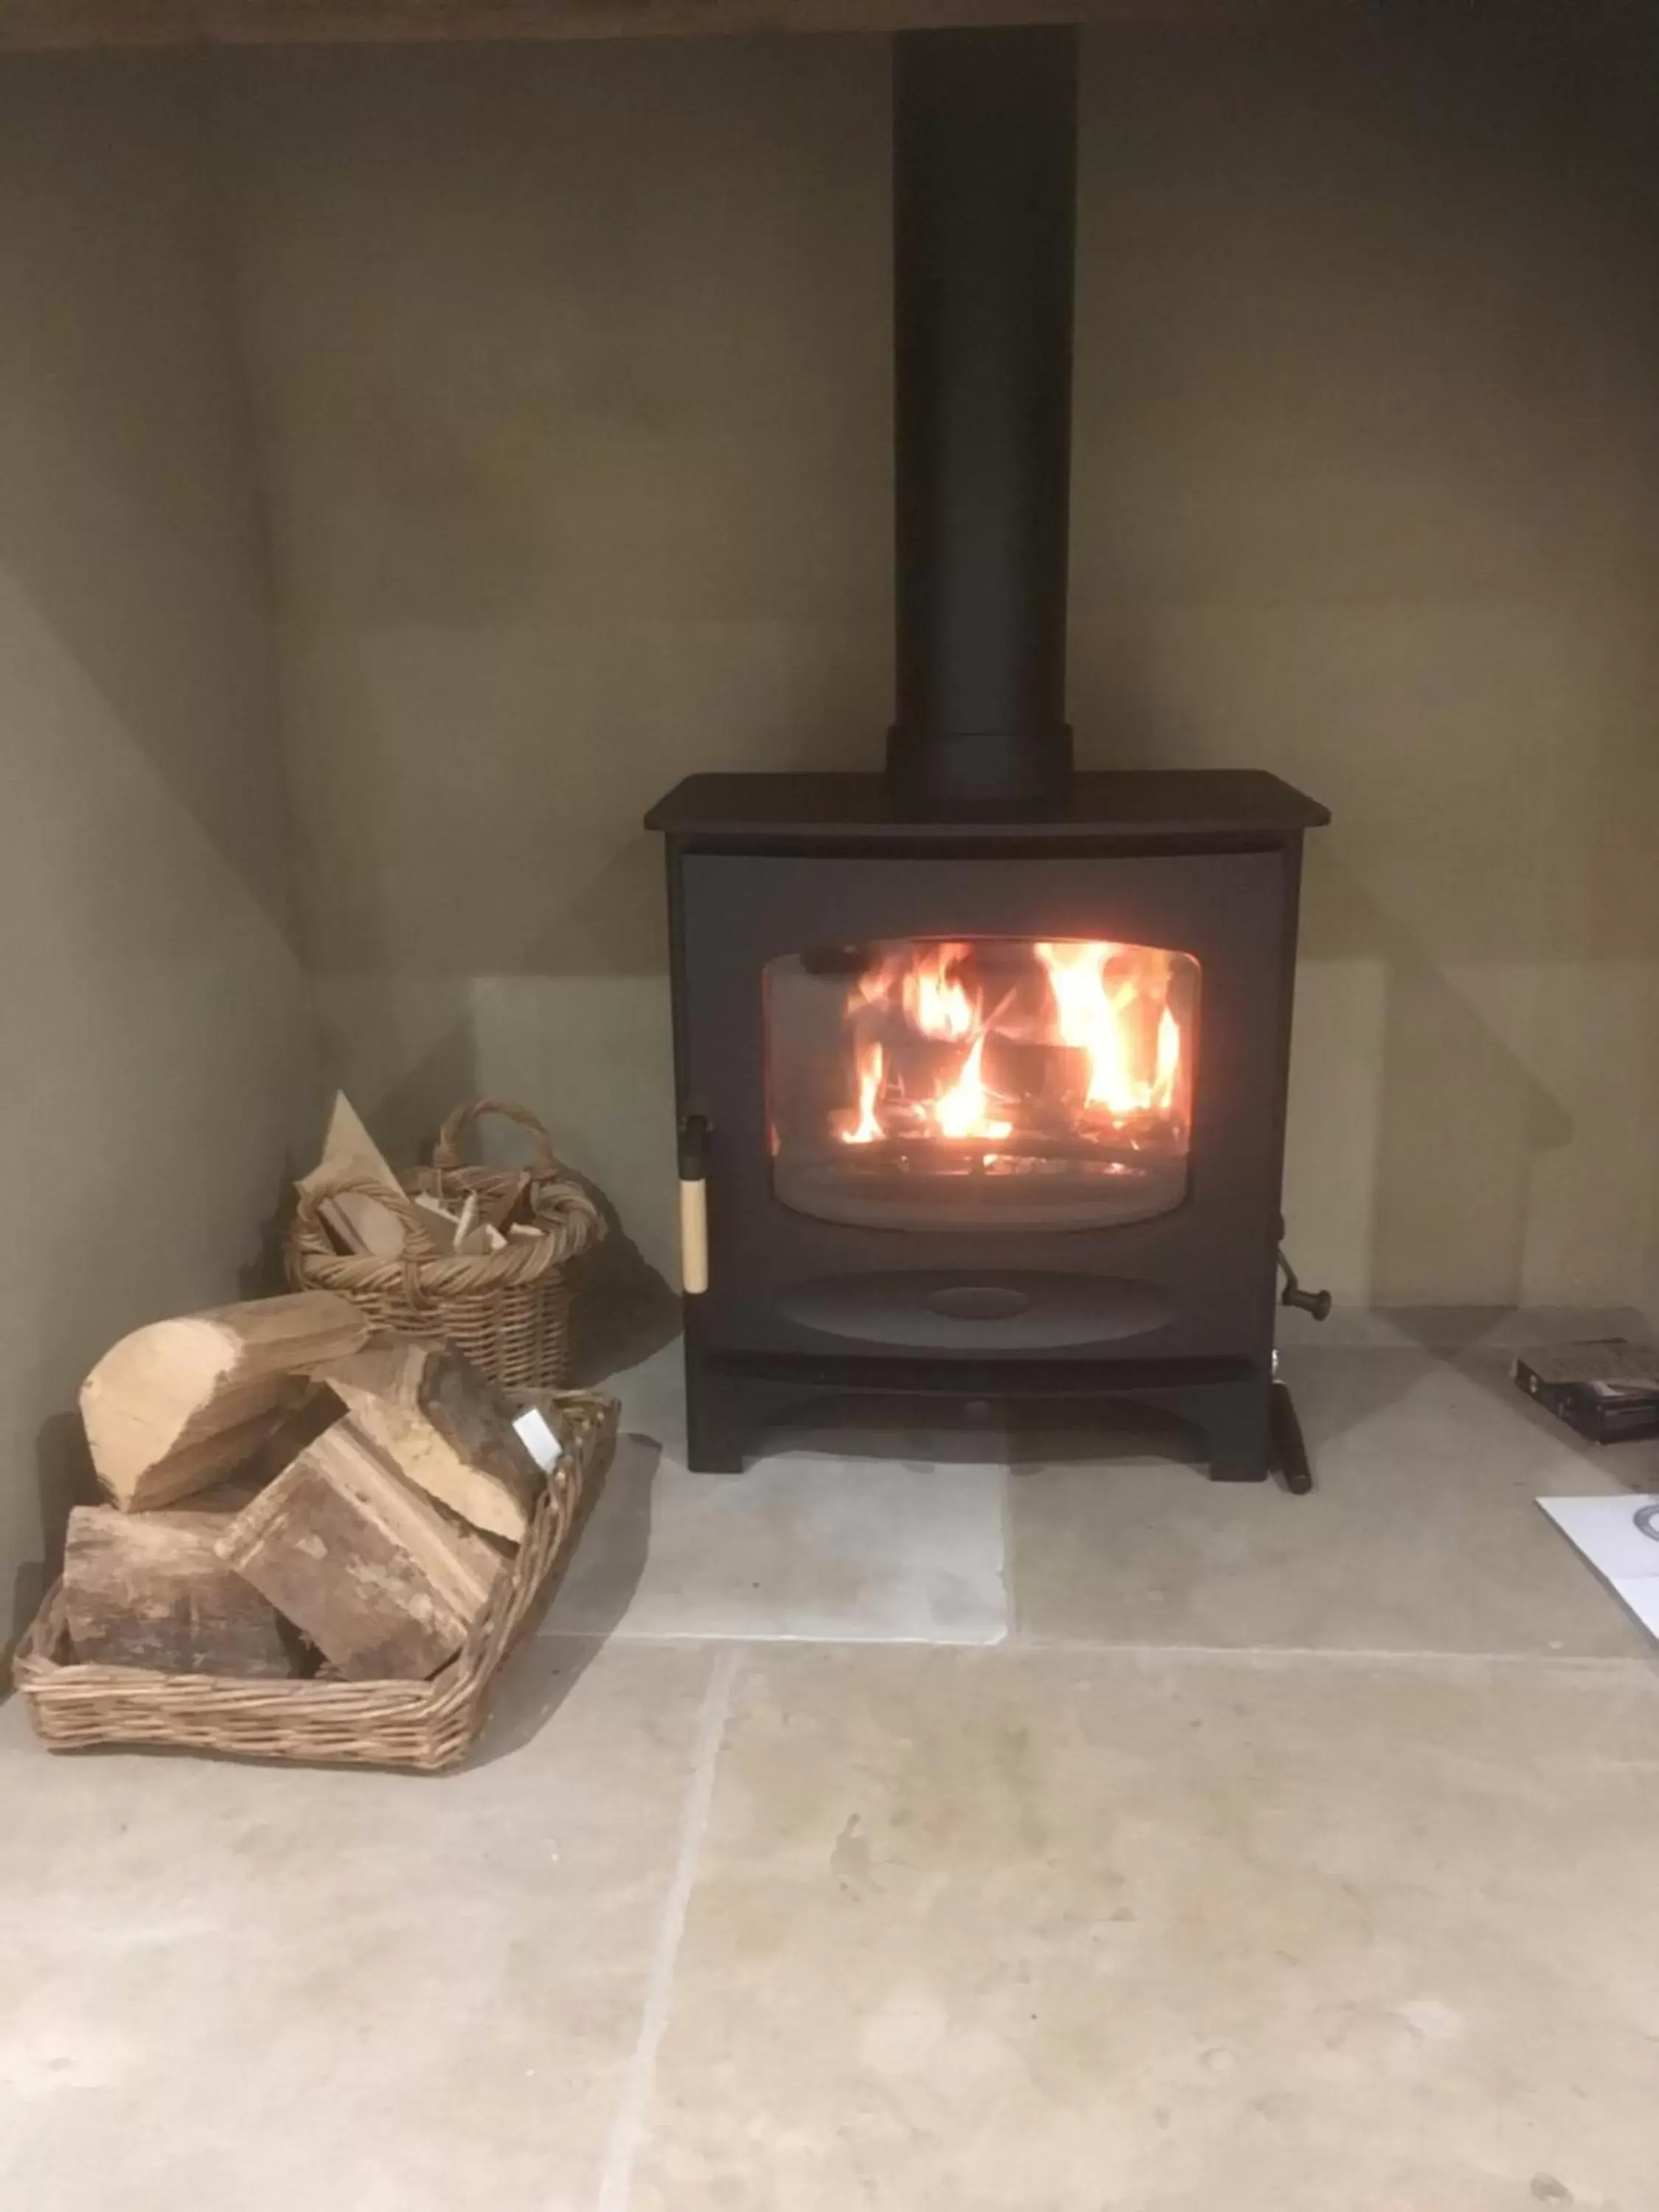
<point>982,1065</point>
<point>984,1110</point>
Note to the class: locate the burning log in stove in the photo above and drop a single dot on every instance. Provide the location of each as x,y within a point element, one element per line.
<point>1012,1037</point>
<point>1020,1062</point>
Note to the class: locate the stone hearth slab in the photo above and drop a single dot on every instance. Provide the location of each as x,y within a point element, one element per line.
<point>1026,1928</point>
<point>814,1541</point>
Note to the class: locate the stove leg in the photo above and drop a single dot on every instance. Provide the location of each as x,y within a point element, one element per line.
<point>1237,1419</point>
<point>716,1431</point>
<point>729,1418</point>
<point>1290,1446</point>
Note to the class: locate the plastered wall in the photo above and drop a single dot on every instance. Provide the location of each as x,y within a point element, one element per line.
<point>412,463</point>
<point>572,370</point>
<point>158,1040</point>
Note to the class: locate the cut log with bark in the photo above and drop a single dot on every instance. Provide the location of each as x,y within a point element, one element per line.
<point>446,1428</point>
<point>386,1585</point>
<point>149,1589</point>
<point>180,1404</point>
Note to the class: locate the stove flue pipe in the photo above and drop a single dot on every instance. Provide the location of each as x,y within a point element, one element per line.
<point>984,222</point>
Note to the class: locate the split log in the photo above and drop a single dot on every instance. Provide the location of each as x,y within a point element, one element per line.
<point>386,1585</point>
<point>359,1223</point>
<point>438,1223</point>
<point>499,1210</point>
<point>477,1226</point>
<point>181,1404</point>
<point>288,1437</point>
<point>149,1589</point>
<point>315,1410</point>
<point>444,1426</point>
<point>474,1232</point>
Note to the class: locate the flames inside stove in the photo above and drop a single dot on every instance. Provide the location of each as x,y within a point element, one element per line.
<point>933,1082</point>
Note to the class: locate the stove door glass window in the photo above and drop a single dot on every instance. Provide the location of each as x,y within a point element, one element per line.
<point>935,1083</point>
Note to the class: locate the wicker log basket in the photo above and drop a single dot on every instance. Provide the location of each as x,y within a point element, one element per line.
<point>508,1311</point>
<point>425,1726</point>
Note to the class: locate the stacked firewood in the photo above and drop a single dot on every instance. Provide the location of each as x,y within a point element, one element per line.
<point>290,1492</point>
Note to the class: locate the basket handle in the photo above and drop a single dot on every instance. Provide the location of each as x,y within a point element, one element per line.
<point>353,1183</point>
<point>419,1244</point>
<point>445,1151</point>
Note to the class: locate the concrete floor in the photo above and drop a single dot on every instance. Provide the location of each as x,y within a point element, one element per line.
<point>984,1827</point>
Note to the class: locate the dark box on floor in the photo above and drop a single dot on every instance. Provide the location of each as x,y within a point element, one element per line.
<point>1608,1391</point>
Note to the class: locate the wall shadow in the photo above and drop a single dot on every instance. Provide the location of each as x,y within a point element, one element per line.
<point>1367,447</point>
<point>407,1111</point>
<point>1462,1124</point>
<point>64,1480</point>
<point>625,1308</point>
<point>125,443</point>
<point>1433,1119</point>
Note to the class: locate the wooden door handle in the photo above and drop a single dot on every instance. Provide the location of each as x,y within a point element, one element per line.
<point>694,1205</point>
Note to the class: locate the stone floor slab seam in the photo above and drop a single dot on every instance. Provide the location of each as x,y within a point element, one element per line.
<point>1579,1663</point>
<point>1011,1632</point>
<point>1080,1647</point>
<point>628,2128</point>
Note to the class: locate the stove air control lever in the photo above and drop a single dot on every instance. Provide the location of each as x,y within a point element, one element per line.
<point>1316,1303</point>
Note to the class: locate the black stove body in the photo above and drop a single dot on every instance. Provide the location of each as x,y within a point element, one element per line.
<point>981,1064</point>
<point>1061,1253</point>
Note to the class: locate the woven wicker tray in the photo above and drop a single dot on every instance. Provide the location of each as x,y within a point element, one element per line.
<point>427,1726</point>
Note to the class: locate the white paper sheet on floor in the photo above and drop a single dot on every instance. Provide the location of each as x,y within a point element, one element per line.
<point>1619,1537</point>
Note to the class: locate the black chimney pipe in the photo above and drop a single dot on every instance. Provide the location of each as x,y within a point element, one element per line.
<point>984,228</point>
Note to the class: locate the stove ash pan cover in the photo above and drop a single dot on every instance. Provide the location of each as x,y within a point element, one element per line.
<point>1005,1310</point>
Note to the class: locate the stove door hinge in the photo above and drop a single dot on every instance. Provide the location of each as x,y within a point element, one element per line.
<point>694,1205</point>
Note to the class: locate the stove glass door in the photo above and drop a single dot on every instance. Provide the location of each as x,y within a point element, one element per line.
<point>939,1083</point>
